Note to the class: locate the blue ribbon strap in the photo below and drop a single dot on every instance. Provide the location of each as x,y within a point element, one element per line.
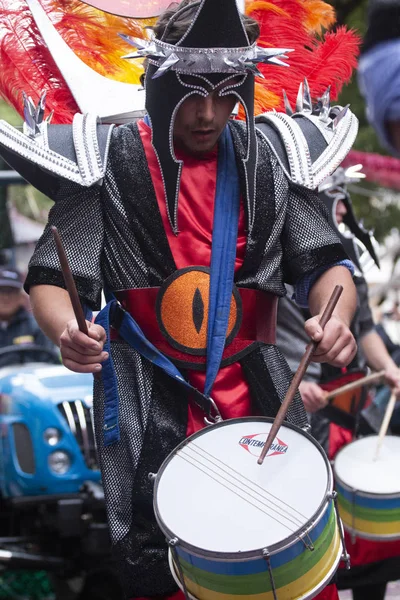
<point>111,426</point>
<point>224,242</point>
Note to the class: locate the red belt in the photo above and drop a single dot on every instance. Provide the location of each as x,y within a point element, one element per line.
<point>256,323</point>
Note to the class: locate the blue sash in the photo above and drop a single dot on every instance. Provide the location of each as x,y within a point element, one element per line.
<point>223,254</point>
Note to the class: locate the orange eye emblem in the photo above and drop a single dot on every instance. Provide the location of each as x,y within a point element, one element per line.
<point>182,310</point>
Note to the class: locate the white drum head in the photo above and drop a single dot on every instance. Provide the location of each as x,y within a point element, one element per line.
<point>212,494</point>
<point>356,468</point>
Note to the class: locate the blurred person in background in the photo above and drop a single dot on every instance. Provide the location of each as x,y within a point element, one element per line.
<point>379,71</point>
<point>21,339</point>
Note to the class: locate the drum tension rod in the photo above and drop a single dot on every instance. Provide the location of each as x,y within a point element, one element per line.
<point>345,555</point>
<point>310,546</point>
<point>173,542</point>
<point>353,515</point>
<point>267,557</point>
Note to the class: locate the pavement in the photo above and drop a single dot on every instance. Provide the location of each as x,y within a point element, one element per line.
<point>392,592</point>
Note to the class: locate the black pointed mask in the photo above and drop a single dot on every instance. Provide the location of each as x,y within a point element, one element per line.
<point>214,50</point>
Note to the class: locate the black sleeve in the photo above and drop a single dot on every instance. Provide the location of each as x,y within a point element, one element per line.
<point>78,216</point>
<point>309,242</point>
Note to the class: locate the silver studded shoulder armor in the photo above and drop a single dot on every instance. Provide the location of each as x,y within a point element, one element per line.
<point>44,153</point>
<point>312,141</point>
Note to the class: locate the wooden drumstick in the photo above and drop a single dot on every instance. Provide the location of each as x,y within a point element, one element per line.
<point>355,384</point>
<point>385,424</point>
<point>70,283</point>
<point>298,376</point>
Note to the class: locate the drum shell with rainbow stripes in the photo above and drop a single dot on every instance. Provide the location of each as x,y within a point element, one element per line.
<point>369,490</point>
<point>301,564</point>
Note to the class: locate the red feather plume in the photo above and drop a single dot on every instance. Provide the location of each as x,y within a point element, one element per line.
<point>323,59</point>
<point>26,64</point>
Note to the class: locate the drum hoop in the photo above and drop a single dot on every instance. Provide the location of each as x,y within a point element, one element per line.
<point>372,495</point>
<point>349,488</point>
<point>250,554</point>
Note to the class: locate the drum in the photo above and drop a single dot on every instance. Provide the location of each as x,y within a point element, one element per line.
<point>238,529</point>
<point>369,490</point>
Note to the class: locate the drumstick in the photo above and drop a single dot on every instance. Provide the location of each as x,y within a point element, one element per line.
<point>385,423</point>
<point>355,384</point>
<point>70,283</point>
<point>298,376</point>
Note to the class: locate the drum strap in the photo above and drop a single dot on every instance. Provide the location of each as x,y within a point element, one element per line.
<point>225,229</point>
<point>223,254</point>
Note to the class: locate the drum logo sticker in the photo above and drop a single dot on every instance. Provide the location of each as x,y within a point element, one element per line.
<point>255,443</point>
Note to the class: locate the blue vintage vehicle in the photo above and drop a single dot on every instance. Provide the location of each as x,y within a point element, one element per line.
<point>52,514</point>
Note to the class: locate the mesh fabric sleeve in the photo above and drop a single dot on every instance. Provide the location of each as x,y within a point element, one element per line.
<point>77,214</point>
<point>308,242</point>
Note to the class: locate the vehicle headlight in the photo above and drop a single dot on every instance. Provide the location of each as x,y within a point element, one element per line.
<point>52,436</point>
<point>59,462</point>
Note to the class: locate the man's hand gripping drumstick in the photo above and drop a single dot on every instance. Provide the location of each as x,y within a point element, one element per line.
<point>81,343</point>
<point>298,376</point>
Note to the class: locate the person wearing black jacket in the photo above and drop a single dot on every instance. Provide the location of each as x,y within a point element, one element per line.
<point>19,331</point>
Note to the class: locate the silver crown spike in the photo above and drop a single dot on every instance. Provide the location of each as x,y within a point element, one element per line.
<point>325,105</point>
<point>340,116</point>
<point>299,100</point>
<point>135,42</point>
<point>50,117</point>
<point>39,113</point>
<point>33,115</point>
<point>166,65</point>
<point>252,68</point>
<point>272,55</point>
<point>307,103</point>
<point>288,107</point>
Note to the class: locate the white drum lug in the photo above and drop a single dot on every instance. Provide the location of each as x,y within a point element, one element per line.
<point>173,542</point>
<point>152,477</point>
<point>267,557</point>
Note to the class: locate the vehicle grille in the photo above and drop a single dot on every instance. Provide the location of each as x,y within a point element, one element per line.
<point>78,418</point>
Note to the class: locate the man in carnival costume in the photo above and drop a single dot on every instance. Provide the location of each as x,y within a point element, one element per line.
<point>142,210</point>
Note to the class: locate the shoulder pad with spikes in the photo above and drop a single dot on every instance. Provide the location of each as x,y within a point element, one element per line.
<point>45,154</point>
<point>309,143</point>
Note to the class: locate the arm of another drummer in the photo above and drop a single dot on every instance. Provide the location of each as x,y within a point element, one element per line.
<point>336,344</point>
<point>378,358</point>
